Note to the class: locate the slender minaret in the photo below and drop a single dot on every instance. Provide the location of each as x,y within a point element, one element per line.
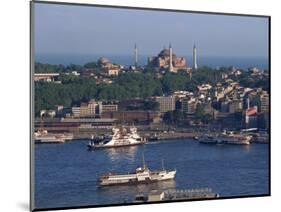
<point>136,55</point>
<point>170,58</point>
<point>194,58</point>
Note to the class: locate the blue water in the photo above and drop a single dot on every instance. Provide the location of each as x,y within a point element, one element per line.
<point>66,174</point>
<point>127,60</point>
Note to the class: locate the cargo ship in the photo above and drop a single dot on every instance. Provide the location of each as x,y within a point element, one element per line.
<point>141,175</point>
<point>120,137</point>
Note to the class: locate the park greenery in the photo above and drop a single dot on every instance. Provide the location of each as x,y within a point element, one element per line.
<point>76,89</point>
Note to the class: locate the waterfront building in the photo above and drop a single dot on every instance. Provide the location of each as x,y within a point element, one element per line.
<point>75,112</point>
<point>107,107</point>
<point>166,103</point>
<point>194,58</point>
<point>264,102</point>
<point>189,105</point>
<point>85,109</point>
<point>134,116</point>
<point>73,124</point>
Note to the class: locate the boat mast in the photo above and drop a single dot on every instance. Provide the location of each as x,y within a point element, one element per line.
<point>143,162</point>
<point>163,165</point>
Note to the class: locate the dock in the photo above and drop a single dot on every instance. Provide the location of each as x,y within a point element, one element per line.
<point>176,194</point>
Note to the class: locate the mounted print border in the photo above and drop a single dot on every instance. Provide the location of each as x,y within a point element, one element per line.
<point>134,105</point>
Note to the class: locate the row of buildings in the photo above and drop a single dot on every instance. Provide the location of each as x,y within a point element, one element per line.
<point>249,106</point>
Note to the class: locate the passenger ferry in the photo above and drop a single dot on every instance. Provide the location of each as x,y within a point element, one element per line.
<point>141,175</point>
<point>225,138</point>
<point>43,136</point>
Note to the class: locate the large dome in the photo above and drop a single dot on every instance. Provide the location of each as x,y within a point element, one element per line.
<point>165,53</point>
<point>103,60</point>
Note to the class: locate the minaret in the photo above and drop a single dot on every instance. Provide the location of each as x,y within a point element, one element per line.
<point>194,58</point>
<point>136,55</point>
<point>170,58</point>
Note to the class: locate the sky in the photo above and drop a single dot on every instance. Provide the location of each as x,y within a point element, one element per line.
<point>68,29</point>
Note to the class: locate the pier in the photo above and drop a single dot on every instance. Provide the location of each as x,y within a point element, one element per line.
<point>176,194</point>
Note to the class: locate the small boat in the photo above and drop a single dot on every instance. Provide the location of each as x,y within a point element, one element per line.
<point>196,138</point>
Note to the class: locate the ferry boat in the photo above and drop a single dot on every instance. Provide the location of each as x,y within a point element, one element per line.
<point>225,138</point>
<point>237,139</point>
<point>120,137</point>
<point>261,137</point>
<point>43,136</point>
<point>141,175</point>
<point>210,139</point>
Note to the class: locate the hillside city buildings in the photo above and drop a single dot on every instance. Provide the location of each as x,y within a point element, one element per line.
<point>226,104</point>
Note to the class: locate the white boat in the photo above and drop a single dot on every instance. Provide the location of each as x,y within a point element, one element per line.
<point>42,136</point>
<point>210,139</point>
<point>226,139</point>
<point>120,137</point>
<point>142,175</point>
<point>237,139</point>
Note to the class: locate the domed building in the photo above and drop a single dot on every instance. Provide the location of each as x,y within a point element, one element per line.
<point>166,53</point>
<point>108,68</point>
<point>103,61</point>
<point>162,61</point>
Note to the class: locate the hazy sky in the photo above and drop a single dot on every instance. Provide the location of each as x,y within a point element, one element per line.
<point>92,30</point>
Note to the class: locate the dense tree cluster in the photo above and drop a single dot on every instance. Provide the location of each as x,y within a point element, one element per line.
<point>48,68</point>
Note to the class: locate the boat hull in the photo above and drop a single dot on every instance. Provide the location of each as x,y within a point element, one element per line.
<point>133,182</point>
<point>93,147</point>
<point>134,179</point>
